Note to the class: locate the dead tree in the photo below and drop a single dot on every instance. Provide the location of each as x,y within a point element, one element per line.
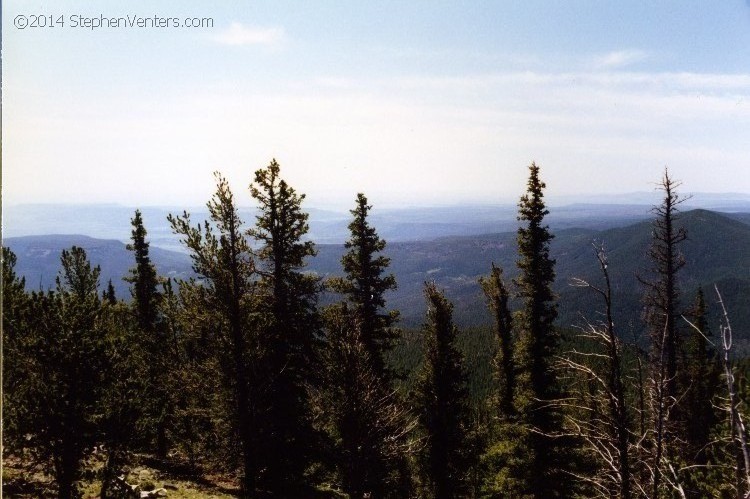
<point>738,431</point>
<point>605,423</point>
<point>662,311</point>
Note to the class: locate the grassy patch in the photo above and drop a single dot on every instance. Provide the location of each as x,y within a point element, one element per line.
<point>22,481</point>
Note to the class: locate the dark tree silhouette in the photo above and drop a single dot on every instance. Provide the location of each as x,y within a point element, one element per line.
<point>365,285</point>
<point>151,341</point>
<point>702,376</point>
<point>371,427</point>
<point>293,332</point>
<point>143,279</point>
<point>443,401</point>
<point>662,301</point>
<point>108,295</point>
<point>538,341</point>
<point>505,368</point>
<point>16,339</point>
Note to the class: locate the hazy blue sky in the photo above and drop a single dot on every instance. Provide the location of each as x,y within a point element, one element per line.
<point>411,102</point>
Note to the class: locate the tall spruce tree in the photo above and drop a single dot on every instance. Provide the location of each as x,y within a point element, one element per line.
<point>150,340</point>
<point>538,342</point>
<point>365,285</point>
<point>443,401</point>
<point>226,305</point>
<point>370,423</point>
<point>144,280</point>
<point>291,338</point>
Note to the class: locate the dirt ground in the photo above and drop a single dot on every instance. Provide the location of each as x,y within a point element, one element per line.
<point>24,479</point>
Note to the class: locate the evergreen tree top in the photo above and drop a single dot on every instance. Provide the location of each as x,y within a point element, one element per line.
<point>77,276</point>
<point>362,266</point>
<point>143,276</point>
<point>138,234</point>
<point>440,327</point>
<point>531,207</point>
<point>281,224</point>
<point>534,241</point>
<point>362,232</point>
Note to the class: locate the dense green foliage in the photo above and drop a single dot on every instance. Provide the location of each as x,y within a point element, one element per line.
<point>365,286</point>
<point>370,422</point>
<point>538,341</point>
<point>151,337</point>
<point>239,370</point>
<point>61,358</point>
<point>221,307</point>
<point>442,402</point>
<point>289,356</point>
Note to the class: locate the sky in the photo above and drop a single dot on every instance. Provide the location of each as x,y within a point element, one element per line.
<point>411,102</point>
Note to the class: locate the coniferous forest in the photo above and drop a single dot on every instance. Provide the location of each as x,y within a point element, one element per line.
<point>257,378</point>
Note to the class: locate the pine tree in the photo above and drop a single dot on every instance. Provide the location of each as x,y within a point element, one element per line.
<point>224,310</point>
<point>497,300</point>
<point>370,422</point>
<point>291,337</point>
<point>15,303</point>
<point>16,336</point>
<point>144,280</point>
<point>370,426</point>
<point>365,285</point>
<point>662,291</point>
<point>505,453</point>
<point>443,401</point>
<point>150,338</point>
<point>538,342</point>
<point>123,400</point>
<point>65,355</point>
<point>109,294</point>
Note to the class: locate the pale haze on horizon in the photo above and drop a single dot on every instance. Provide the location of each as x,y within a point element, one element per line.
<point>412,103</point>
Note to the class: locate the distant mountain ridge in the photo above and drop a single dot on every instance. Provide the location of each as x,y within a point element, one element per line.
<point>38,260</point>
<point>717,252</point>
<point>109,221</point>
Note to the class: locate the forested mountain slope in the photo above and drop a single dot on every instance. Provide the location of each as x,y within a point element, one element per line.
<point>717,252</point>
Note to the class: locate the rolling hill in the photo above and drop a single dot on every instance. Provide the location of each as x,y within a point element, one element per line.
<point>38,260</point>
<point>717,252</point>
